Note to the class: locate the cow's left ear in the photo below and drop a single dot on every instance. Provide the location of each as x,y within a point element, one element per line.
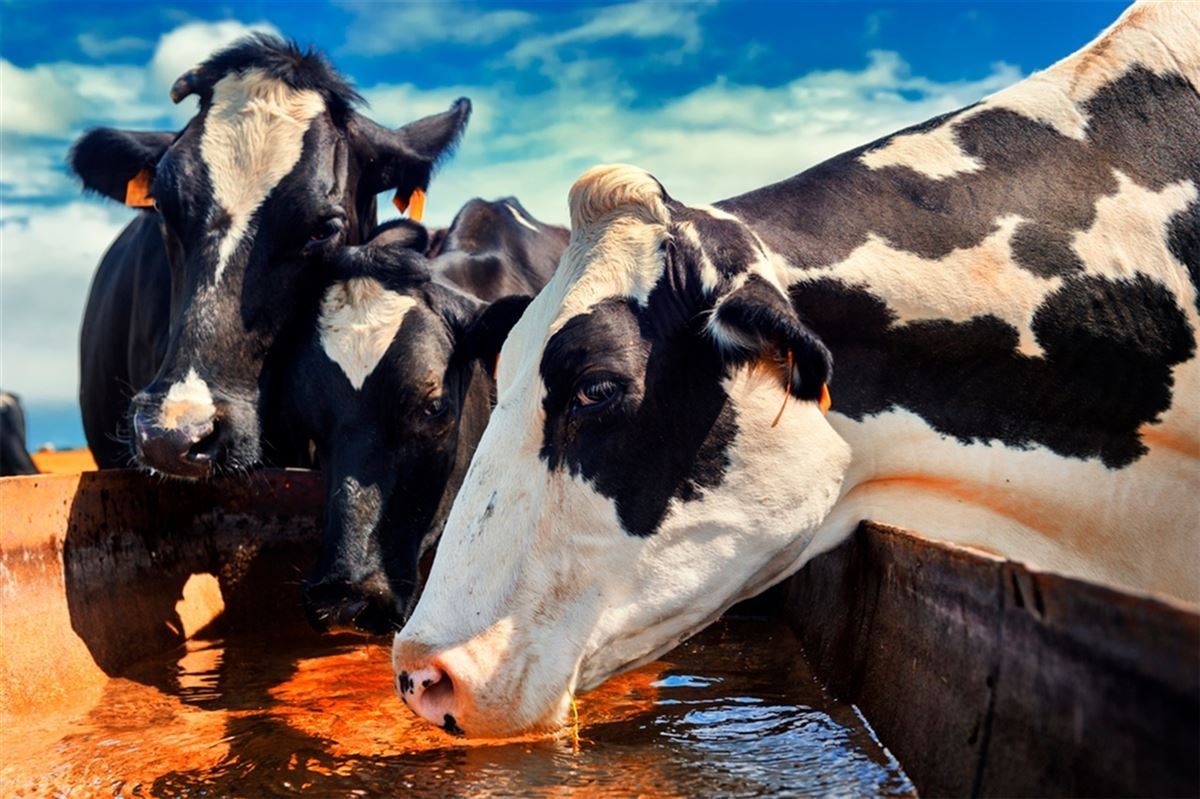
<point>404,159</point>
<point>484,336</point>
<point>756,321</point>
<point>109,160</point>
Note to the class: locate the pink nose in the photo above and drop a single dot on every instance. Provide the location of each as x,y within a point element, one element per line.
<point>429,692</point>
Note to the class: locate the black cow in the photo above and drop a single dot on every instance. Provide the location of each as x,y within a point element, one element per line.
<point>394,384</point>
<point>14,455</point>
<point>276,171</point>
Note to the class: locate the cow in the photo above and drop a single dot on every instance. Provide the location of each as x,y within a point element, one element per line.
<point>393,384</point>
<point>275,172</point>
<point>1009,292</point>
<point>14,454</point>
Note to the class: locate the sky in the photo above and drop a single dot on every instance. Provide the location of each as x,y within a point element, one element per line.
<point>714,98</point>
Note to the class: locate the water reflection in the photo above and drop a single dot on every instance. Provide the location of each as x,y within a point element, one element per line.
<point>733,713</point>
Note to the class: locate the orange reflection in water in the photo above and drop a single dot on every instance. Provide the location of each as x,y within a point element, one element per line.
<point>734,712</point>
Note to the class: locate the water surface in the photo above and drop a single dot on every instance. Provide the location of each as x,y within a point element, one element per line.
<point>734,712</point>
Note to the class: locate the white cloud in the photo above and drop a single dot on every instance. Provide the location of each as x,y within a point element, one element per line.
<point>640,20</point>
<point>716,142</point>
<point>47,257</point>
<point>379,29</point>
<point>99,47</point>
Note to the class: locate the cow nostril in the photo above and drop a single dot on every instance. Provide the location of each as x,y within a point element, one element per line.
<point>208,447</point>
<point>429,692</point>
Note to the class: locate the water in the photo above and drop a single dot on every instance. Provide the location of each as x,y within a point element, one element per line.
<point>735,712</point>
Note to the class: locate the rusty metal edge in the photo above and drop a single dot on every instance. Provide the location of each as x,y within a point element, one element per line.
<point>986,677</point>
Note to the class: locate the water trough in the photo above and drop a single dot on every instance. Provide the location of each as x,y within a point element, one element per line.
<point>982,676</point>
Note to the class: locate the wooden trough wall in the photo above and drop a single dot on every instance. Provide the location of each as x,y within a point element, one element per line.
<point>987,678</point>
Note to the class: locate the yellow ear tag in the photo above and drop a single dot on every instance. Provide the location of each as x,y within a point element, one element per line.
<point>415,204</point>
<point>826,401</point>
<point>137,190</point>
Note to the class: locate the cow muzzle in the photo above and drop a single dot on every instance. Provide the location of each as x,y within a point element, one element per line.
<point>334,606</point>
<point>177,438</point>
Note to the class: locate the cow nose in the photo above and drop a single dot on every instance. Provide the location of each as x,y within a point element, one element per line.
<point>188,447</point>
<point>429,692</point>
<point>340,607</point>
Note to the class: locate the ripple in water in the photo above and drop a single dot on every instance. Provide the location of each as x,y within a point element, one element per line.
<point>735,712</point>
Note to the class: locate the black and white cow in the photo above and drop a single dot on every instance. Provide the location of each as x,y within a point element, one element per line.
<point>1010,295</point>
<point>394,385</point>
<point>14,453</point>
<point>275,171</point>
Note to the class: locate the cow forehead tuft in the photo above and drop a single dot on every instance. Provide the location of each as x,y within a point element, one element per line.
<point>604,189</point>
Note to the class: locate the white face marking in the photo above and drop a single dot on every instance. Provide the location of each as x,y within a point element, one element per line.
<point>253,137</point>
<point>521,219</point>
<point>359,320</point>
<point>188,403</point>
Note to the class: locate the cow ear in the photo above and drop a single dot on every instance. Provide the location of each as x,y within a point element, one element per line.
<point>119,163</point>
<point>404,159</point>
<point>484,336</point>
<point>756,322</point>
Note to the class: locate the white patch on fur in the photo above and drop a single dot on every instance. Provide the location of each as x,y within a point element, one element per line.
<point>521,219</point>
<point>964,284</point>
<point>934,154</point>
<point>253,137</point>
<point>188,403</point>
<point>1132,527</point>
<point>358,322</point>
<point>1158,36</point>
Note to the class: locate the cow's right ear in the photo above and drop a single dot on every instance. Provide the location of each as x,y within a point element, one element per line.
<point>108,161</point>
<point>756,322</point>
<point>485,336</point>
<point>404,159</point>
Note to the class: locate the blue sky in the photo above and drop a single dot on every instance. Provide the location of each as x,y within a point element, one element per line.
<point>715,98</point>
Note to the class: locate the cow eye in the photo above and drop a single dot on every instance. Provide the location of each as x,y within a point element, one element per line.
<point>595,394</point>
<point>435,407</point>
<point>322,234</point>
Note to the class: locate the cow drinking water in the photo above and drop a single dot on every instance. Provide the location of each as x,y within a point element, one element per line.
<point>394,384</point>
<point>1010,295</point>
<point>274,172</point>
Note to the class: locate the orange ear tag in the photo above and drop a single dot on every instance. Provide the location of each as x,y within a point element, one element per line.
<point>137,190</point>
<point>415,204</point>
<point>826,401</point>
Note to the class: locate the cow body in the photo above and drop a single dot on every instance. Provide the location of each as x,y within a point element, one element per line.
<point>1009,294</point>
<point>275,172</point>
<point>393,383</point>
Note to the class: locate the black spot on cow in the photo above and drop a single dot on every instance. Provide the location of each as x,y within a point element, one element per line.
<point>1109,347</point>
<point>665,434</point>
<point>1183,239</point>
<point>451,726</point>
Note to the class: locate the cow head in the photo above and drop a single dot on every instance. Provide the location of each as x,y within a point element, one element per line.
<point>394,387</point>
<point>274,172</point>
<point>656,454</point>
